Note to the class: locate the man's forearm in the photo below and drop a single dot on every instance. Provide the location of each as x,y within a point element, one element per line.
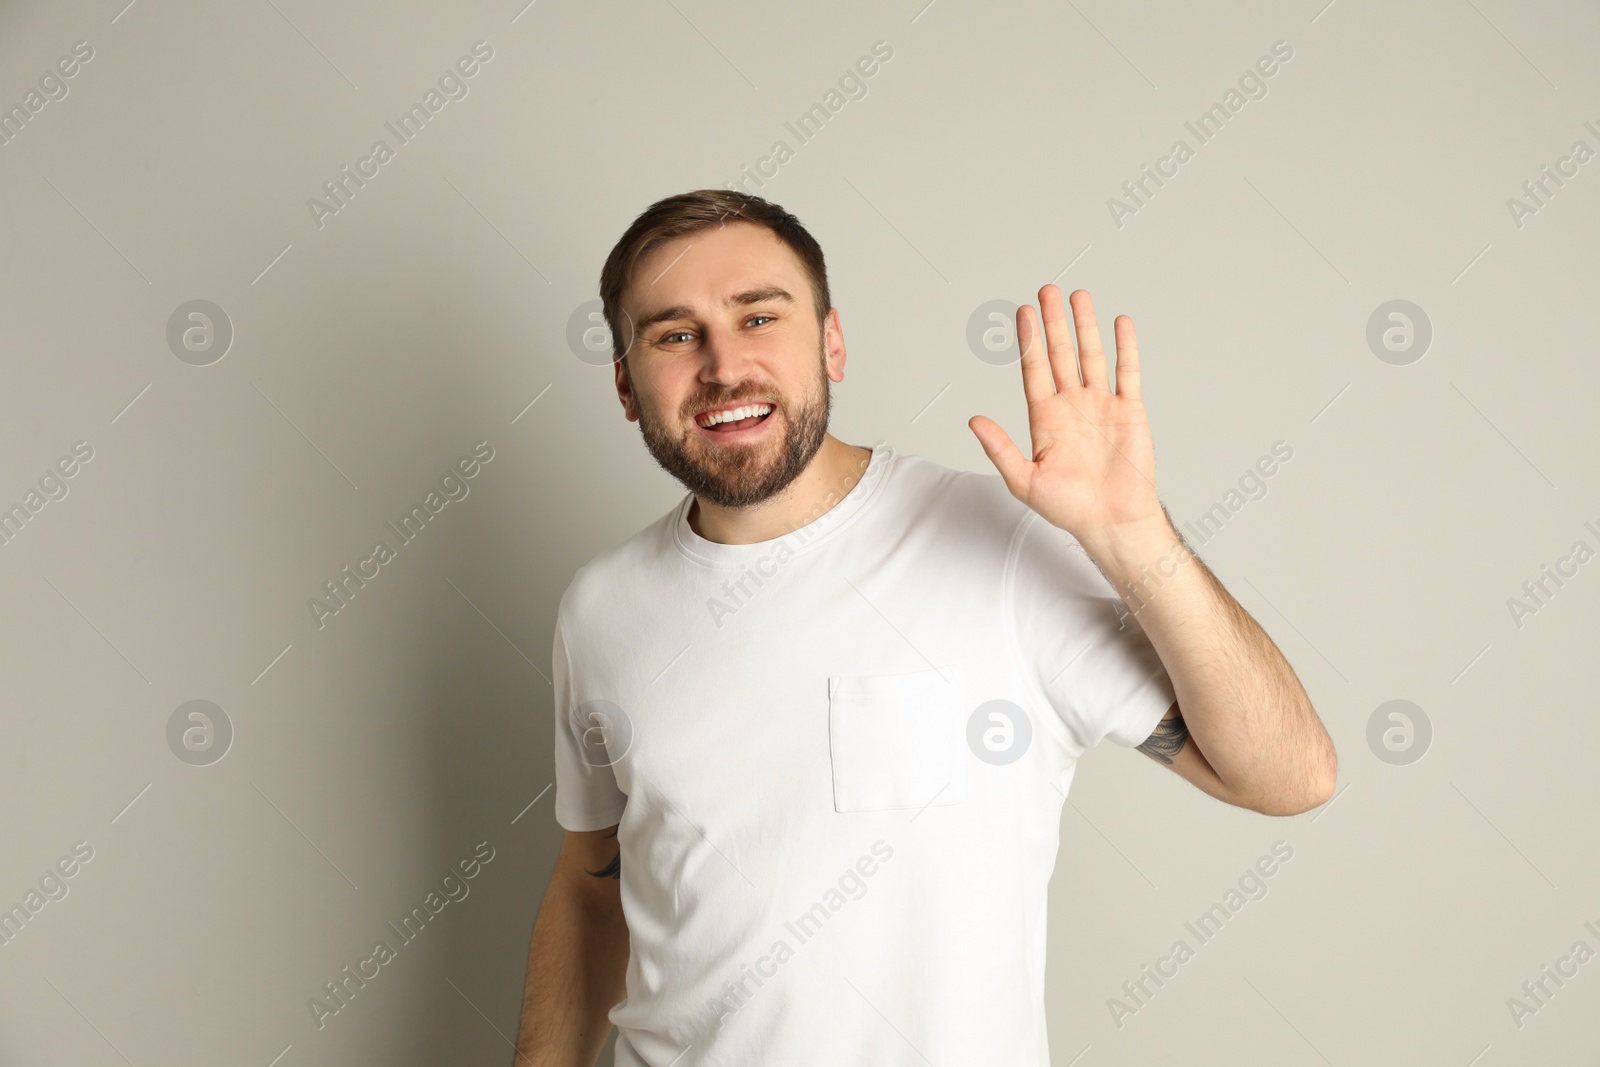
<point>1242,703</point>
<point>577,959</point>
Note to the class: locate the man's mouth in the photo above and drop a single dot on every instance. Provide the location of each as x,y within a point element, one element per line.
<point>732,419</point>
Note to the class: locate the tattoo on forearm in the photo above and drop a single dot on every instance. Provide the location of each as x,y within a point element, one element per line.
<point>612,869</point>
<point>1167,740</point>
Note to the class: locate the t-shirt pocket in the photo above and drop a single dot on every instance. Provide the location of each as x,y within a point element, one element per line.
<point>896,740</point>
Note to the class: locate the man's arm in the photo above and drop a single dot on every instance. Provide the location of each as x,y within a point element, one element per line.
<point>577,957</point>
<point>1258,742</point>
<point>1093,475</point>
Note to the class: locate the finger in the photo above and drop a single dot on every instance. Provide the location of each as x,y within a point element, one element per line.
<point>1007,458</point>
<point>1127,357</point>
<point>1091,357</point>
<point>1037,384</point>
<point>1058,338</point>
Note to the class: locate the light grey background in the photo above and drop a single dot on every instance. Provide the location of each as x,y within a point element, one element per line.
<point>372,754</point>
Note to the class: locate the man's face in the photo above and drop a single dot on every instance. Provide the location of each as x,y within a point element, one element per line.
<point>712,330</point>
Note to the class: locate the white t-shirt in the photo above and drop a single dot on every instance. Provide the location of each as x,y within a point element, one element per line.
<point>827,857</point>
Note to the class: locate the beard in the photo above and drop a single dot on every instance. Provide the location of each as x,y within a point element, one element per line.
<point>741,476</point>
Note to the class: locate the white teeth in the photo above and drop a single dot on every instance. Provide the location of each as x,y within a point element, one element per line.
<point>733,414</point>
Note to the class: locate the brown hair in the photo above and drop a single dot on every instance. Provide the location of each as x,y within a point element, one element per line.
<point>687,213</point>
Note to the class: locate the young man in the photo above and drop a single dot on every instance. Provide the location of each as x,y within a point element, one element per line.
<point>814,727</point>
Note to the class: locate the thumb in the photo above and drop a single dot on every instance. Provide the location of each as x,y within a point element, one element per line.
<point>1007,458</point>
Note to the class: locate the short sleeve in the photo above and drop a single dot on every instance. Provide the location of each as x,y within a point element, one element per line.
<point>1080,648</point>
<point>587,795</point>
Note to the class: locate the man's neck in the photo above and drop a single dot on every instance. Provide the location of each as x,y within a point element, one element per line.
<point>832,473</point>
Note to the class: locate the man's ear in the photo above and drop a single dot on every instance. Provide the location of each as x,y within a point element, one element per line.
<point>624,378</point>
<point>833,345</point>
<point>630,404</point>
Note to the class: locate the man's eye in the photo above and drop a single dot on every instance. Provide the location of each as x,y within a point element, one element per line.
<point>754,317</point>
<point>667,338</point>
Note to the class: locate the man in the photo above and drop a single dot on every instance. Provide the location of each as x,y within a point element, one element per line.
<point>815,726</point>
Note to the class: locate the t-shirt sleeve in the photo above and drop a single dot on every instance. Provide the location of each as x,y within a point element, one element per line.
<point>1079,646</point>
<point>587,795</point>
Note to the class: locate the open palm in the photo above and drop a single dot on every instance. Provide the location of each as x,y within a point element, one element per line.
<point>1093,470</point>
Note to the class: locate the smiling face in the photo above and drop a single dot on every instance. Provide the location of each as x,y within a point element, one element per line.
<point>723,319</point>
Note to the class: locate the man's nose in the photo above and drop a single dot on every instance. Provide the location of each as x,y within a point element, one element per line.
<point>724,356</point>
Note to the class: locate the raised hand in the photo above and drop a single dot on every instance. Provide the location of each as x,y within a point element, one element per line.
<point>1093,471</point>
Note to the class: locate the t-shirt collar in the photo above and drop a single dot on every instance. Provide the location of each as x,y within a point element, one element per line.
<point>823,526</point>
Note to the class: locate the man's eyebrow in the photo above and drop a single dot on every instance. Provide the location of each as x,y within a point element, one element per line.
<point>749,296</point>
